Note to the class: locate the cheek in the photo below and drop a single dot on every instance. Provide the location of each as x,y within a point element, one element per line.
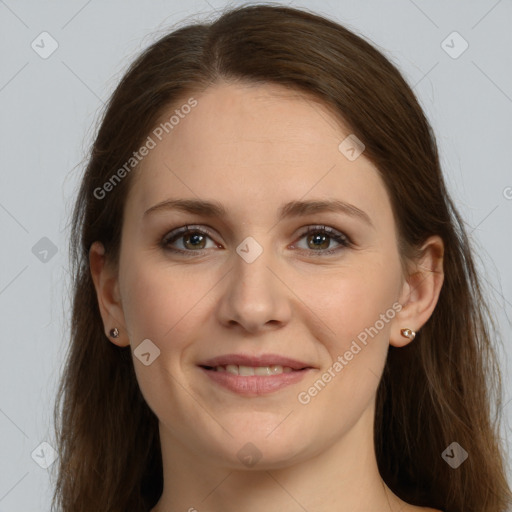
<point>156,301</point>
<point>357,311</point>
<point>158,304</point>
<point>354,300</point>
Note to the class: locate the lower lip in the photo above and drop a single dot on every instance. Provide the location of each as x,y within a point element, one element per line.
<point>254,385</point>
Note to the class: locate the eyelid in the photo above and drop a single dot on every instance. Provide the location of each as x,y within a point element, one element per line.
<point>314,228</point>
<point>185,229</point>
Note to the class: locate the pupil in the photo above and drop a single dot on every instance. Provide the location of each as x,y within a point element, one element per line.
<point>322,238</point>
<point>197,237</point>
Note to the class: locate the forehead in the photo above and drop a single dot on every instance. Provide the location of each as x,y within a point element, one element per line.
<point>254,146</point>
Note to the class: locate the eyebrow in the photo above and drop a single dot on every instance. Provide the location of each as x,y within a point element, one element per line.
<point>288,210</point>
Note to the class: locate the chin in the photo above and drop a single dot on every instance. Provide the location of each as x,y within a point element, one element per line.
<point>256,450</point>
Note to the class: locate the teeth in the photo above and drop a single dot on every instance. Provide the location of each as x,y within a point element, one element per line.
<point>250,370</point>
<point>245,370</point>
<point>262,370</point>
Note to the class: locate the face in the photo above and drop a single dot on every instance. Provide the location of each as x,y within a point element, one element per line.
<point>267,283</point>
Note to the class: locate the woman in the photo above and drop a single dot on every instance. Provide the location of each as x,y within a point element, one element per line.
<point>275,302</point>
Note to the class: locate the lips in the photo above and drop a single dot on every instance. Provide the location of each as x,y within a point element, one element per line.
<point>254,361</point>
<point>254,375</point>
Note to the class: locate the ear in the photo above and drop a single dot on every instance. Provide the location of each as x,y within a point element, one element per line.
<point>106,283</point>
<point>420,291</point>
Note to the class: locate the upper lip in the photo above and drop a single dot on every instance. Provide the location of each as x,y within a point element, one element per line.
<point>261,360</point>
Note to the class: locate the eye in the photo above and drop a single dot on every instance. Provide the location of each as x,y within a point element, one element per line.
<point>190,238</point>
<point>194,239</point>
<point>319,238</point>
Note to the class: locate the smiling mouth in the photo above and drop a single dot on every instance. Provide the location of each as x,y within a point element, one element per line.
<point>254,380</point>
<point>248,371</point>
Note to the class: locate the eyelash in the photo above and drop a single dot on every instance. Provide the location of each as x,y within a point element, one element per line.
<point>339,237</point>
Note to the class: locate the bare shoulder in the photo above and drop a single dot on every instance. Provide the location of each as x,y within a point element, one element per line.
<point>403,506</point>
<point>413,508</point>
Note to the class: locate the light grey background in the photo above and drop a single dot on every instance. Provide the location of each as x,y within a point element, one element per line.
<point>49,109</point>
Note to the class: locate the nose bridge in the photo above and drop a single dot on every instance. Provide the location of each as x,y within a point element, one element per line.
<point>251,277</point>
<point>254,296</point>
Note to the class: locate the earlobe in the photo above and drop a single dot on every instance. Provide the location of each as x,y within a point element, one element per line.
<point>420,293</point>
<point>105,281</point>
<point>408,333</point>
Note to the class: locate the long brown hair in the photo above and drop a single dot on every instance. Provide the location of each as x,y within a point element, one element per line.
<point>437,390</point>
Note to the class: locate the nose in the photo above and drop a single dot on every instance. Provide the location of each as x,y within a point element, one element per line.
<point>255,295</point>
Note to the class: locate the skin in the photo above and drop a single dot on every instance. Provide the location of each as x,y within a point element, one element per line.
<point>254,148</point>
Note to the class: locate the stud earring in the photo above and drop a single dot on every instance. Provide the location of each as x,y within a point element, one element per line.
<point>408,333</point>
<point>114,333</point>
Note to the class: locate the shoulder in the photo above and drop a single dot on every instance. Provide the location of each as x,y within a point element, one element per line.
<point>413,508</point>
<point>408,507</point>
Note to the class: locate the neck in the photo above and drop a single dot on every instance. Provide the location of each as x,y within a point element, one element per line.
<point>342,476</point>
